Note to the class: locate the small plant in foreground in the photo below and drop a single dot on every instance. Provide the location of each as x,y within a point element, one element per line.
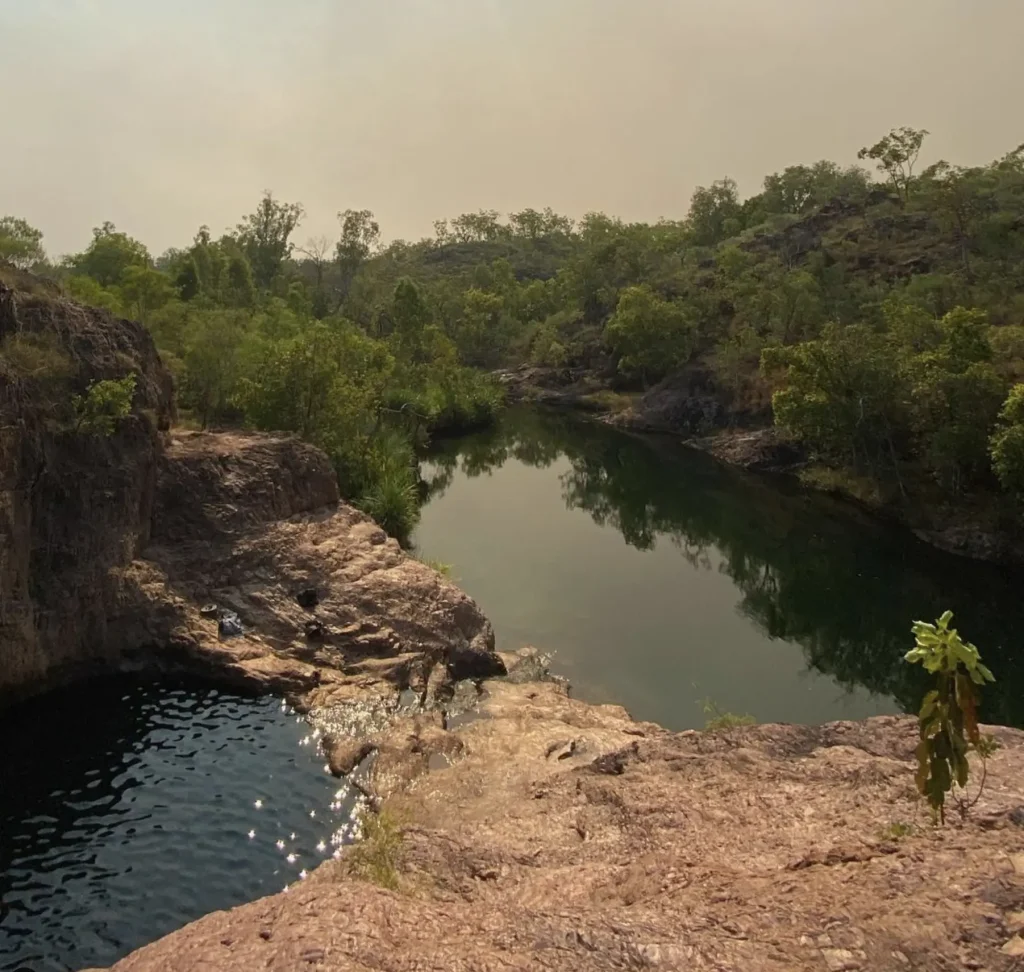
<point>104,404</point>
<point>445,570</point>
<point>719,720</point>
<point>393,503</point>
<point>377,856</point>
<point>948,720</point>
<point>897,830</point>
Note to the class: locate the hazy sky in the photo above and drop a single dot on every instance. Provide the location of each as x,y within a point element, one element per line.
<point>162,115</point>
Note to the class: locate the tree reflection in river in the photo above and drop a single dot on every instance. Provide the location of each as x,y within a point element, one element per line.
<point>810,570</point>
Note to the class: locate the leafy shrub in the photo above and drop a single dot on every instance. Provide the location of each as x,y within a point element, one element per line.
<point>948,720</point>
<point>1007,443</point>
<point>388,475</point>
<point>104,404</point>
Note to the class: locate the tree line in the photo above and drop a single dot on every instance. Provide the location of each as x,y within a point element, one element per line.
<point>878,320</point>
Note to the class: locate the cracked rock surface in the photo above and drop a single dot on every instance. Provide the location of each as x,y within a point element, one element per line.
<point>562,835</point>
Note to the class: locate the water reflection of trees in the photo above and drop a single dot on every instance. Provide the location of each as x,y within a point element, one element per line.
<point>843,587</point>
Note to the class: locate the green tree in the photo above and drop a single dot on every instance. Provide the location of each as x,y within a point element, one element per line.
<point>186,278</point>
<point>409,317</point>
<point>960,198</point>
<point>483,226</point>
<point>896,155</point>
<point>842,394</point>
<point>1007,443</point>
<point>649,335</point>
<point>715,212</point>
<point>533,225</point>
<point>360,236</point>
<point>317,253</point>
<point>264,237</point>
<point>239,289</point>
<point>21,245</point>
<point>110,255</point>
<point>955,398</point>
<point>213,341</point>
<point>800,188</point>
<point>104,404</point>
<point>145,290</point>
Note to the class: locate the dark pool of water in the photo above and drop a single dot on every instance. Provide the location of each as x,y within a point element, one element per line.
<point>661,578</point>
<point>128,809</point>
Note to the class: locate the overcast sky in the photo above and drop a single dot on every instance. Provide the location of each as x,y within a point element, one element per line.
<point>162,116</point>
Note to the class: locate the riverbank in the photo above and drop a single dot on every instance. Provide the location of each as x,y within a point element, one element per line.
<point>548,833</point>
<point>689,409</point>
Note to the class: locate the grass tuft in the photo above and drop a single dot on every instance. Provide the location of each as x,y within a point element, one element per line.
<point>719,720</point>
<point>378,856</point>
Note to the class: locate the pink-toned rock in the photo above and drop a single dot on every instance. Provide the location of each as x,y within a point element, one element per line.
<point>643,849</point>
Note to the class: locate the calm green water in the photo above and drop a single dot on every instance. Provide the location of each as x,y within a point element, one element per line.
<point>660,578</point>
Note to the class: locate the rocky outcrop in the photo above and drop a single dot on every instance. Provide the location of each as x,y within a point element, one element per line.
<point>75,509</point>
<point>331,608</point>
<point>124,551</point>
<point>559,835</point>
<point>576,388</point>
<point>687,403</point>
<point>761,450</point>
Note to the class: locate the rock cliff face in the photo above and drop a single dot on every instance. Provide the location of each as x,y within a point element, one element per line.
<point>111,547</point>
<point>74,509</point>
<point>331,608</point>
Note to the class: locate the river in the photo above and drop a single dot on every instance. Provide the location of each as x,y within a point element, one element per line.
<point>678,587</point>
<point>661,580</point>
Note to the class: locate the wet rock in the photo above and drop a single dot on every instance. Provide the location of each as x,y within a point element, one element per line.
<point>344,755</point>
<point>474,660</point>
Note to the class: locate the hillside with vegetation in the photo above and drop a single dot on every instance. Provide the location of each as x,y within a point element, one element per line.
<point>877,321</point>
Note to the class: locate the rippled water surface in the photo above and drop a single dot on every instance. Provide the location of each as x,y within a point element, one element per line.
<point>128,809</point>
<point>661,579</point>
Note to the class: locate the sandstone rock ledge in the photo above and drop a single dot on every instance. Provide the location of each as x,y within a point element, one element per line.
<point>567,836</point>
<point>252,524</point>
